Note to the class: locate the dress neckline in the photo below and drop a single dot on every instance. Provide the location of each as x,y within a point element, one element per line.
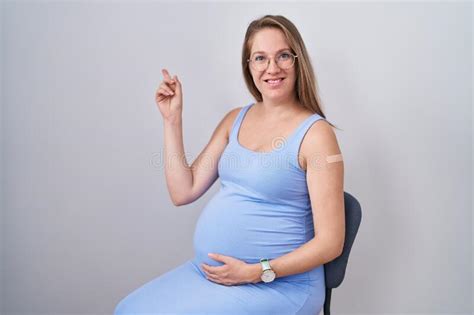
<point>281,142</point>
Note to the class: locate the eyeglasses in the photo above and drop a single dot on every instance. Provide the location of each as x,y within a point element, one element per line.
<point>284,60</point>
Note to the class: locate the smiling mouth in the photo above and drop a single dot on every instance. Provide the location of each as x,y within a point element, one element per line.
<point>274,80</point>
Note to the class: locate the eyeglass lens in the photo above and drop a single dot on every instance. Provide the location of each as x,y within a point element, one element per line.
<point>284,60</point>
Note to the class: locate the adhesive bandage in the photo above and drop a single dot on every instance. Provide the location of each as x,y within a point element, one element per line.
<point>334,158</point>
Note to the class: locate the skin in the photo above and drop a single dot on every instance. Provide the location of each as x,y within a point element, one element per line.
<point>277,115</point>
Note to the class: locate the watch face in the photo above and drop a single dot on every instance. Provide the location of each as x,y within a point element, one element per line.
<point>268,276</point>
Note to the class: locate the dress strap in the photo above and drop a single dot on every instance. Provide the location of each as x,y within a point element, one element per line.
<point>238,122</point>
<point>297,139</point>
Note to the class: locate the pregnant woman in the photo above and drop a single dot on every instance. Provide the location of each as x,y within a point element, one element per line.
<point>261,242</point>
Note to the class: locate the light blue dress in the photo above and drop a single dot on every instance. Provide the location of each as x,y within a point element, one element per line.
<point>262,210</point>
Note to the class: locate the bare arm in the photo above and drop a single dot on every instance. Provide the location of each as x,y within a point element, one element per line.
<point>177,172</point>
<point>187,183</point>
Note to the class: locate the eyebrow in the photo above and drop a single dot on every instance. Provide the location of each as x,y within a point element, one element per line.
<point>277,50</point>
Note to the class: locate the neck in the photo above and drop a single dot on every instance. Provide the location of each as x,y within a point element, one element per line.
<point>278,108</point>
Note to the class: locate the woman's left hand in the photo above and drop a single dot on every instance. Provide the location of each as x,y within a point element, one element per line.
<point>233,272</point>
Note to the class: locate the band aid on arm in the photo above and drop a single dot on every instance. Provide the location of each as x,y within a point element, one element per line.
<point>334,158</point>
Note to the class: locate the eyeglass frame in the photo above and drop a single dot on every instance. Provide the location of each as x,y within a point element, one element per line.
<point>276,62</point>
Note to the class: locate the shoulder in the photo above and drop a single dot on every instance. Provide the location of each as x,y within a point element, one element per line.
<point>320,140</point>
<point>225,125</point>
<point>231,115</point>
<point>319,131</point>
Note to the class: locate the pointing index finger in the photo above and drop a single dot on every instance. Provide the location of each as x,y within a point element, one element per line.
<point>165,73</point>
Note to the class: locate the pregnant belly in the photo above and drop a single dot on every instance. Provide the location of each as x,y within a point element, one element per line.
<point>246,229</point>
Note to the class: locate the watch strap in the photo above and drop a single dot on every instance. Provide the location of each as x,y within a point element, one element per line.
<point>265,264</point>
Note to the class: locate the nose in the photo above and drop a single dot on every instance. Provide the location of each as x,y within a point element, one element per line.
<point>273,66</point>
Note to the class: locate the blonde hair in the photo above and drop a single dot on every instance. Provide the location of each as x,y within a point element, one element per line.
<point>306,83</point>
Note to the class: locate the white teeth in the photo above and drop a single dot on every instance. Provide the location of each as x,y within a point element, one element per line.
<point>274,81</point>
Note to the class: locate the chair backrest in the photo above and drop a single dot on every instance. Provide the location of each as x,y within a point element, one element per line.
<point>335,270</point>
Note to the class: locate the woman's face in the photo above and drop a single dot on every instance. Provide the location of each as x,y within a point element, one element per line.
<point>270,43</point>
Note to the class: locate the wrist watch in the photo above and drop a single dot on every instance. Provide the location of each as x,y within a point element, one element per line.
<point>268,274</point>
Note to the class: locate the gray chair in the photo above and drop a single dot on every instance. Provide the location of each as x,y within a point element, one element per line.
<point>334,270</point>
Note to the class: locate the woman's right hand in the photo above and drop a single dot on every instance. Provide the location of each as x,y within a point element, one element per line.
<point>169,97</point>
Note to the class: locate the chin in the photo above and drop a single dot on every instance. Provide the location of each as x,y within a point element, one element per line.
<point>276,95</point>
